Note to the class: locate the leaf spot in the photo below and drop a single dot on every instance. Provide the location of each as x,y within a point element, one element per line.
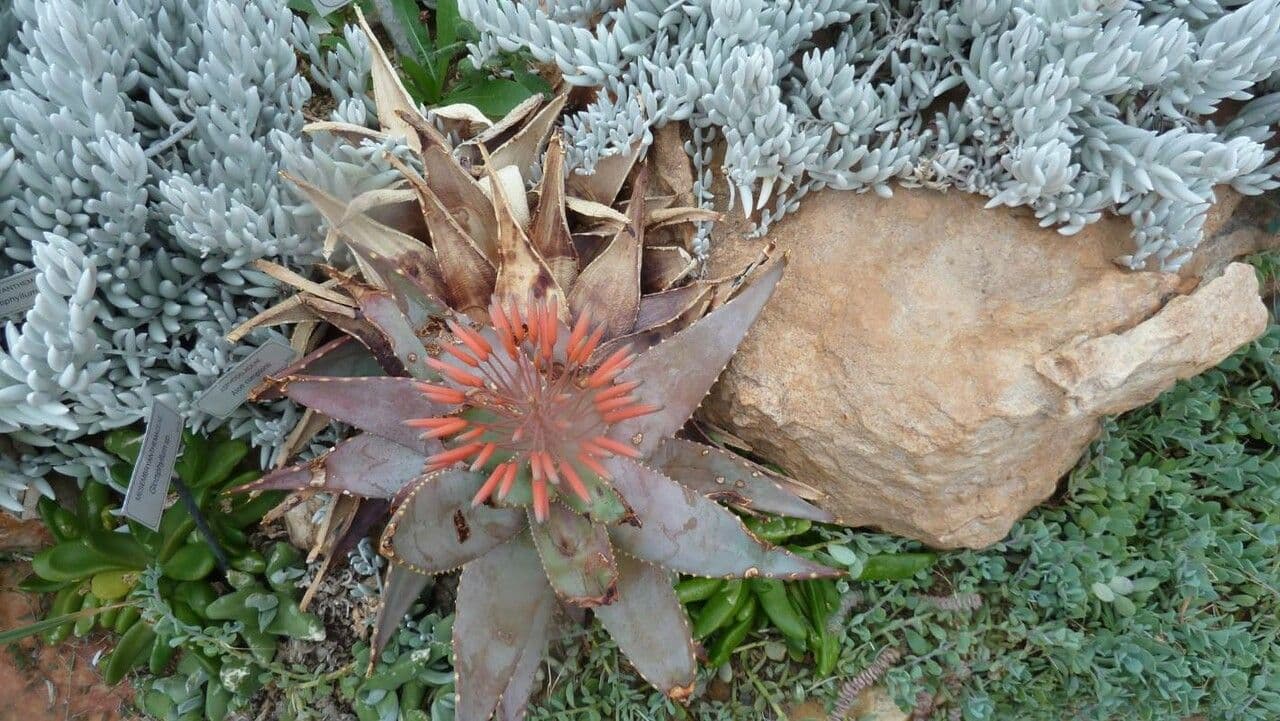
<point>460,526</point>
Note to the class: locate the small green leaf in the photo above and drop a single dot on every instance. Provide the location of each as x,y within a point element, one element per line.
<point>842,555</point>
<point>1103,592</point>
<point>916,643</point>
<point>895,566</point>
<point>1124,606</point>
<point>420,83</point>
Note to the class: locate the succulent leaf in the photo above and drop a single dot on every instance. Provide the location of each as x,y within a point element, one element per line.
<point>610,284</point>
<point>525,147</point>
<point>468,273</point>
<point>577,557</point>
<point>436,528</point>
<point>398,338</point>
<point>341,357</point>
<point>365,465</point>
<point>290,310</point>
<point>602,505</point>
<point>664,266</point>
<point>650,627</point>
<point>506,127</point>
<point>651,334</point>
<point>505,607</point>
<point>523,274</point>
<point>400,589</point>
<point>389,94</point>
<point>550,231</point>
<point>659,309</point>
<point>413,283</point>
<point>360,230</point>
<point>462,198</point>
<point>683,530</point>
<point>678,372</point>
<point>378,405</point>
<point>729,478</point>
<point>515,698</point>
<point>393,207</point>
<point>611,172</point>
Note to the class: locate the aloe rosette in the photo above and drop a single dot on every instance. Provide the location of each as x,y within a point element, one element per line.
<point>517,386</point>
<point>551,480</point>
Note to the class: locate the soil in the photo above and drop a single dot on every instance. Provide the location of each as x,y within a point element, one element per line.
<point>40,683</point>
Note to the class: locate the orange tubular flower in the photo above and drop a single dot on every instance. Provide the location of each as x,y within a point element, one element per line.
<point>543,409</point>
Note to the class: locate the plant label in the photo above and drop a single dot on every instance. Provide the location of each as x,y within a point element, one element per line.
<point>18,293</point>
<point>149,484</point>
<point>231,390</point>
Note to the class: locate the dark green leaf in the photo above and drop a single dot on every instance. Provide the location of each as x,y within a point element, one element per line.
<point>447,22</point>
<point>124,443</point>
<point>494,97</point>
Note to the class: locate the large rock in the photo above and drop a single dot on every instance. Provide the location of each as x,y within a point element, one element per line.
<point>936,368</point>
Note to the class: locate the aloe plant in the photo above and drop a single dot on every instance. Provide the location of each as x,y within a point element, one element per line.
<point>517,395</point>
<point>542,476</point>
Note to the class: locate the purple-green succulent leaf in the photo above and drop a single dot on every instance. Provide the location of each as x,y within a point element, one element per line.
<point>340,357</point>
<point>657,309</point>
<point>377,405</point>
<point>677,373</point>
<point>413,282</point>
<point>435,529</point>
<point>729,478</point>
<point>683,530</point>
<point>504,607</point>
<point>650,627</point>
<point>365,465</point>
<point>380,310</point>
<point>370,512</point>
<point>364,330</point>
<point>577,557</point>
<point>400,590</point>
<point>515,698</point>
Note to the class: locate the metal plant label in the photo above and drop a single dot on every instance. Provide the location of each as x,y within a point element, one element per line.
<point>231,390</point>
<point>149,484</point>
<point>18,293</point>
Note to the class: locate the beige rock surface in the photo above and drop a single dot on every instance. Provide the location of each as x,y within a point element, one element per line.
<point>936,367</point>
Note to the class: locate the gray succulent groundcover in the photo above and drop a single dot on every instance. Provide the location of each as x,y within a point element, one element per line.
<point>140,146</point>
<point>1072,107</point>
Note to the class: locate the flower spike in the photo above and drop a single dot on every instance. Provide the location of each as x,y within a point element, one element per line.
<point>538,415</point>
